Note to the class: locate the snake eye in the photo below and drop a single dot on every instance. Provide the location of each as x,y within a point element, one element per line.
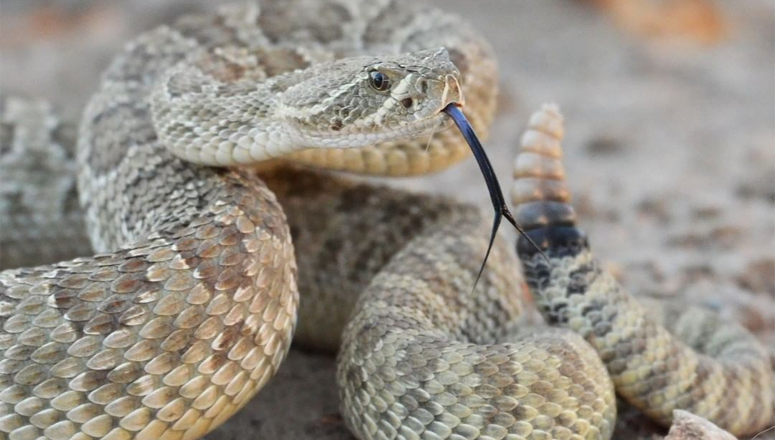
<point>379,81</point>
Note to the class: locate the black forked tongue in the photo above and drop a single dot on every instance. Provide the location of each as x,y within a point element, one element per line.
<point>496,195</point>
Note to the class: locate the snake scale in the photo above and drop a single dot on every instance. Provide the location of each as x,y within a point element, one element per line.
<point>191,305</point>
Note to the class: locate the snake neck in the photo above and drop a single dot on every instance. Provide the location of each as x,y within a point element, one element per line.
<point>218,118</point>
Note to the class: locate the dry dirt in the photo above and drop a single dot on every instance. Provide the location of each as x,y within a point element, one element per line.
<point>670,150</point>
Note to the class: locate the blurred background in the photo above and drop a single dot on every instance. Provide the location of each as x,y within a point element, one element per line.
<point>670,145</point>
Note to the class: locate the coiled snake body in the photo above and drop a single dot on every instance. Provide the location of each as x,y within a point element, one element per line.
<point>192,308</point>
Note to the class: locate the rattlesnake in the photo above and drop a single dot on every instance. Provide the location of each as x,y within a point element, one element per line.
<point>173,332</point>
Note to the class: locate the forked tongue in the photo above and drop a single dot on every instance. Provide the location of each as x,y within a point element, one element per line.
<point>496,195</point>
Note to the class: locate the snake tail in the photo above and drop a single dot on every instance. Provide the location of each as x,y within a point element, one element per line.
<point>685,359</point>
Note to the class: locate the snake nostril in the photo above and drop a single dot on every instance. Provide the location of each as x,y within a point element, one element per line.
<point>407,102</point>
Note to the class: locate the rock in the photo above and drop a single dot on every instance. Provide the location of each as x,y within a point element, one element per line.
<point>687,426</point>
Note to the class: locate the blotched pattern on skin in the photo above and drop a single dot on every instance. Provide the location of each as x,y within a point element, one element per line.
<point>192,307</point>
<point>661,358</point>
<point>40,218</point>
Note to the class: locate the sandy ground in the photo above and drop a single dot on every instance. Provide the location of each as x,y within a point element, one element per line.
<point>670,151</point>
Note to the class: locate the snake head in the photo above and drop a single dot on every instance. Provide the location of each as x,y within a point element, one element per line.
<point>357,102</point>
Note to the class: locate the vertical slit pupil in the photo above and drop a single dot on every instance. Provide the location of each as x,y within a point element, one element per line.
<point>379,81</point>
